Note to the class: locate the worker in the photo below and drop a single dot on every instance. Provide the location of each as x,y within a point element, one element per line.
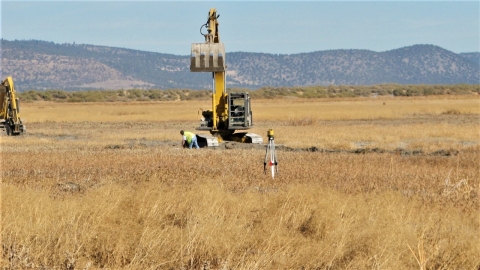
<point>189,138</point>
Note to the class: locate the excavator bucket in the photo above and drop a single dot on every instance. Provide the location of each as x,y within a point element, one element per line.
<point>207,57</point>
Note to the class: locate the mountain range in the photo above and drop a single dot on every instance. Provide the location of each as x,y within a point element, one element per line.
<point>39,65</point>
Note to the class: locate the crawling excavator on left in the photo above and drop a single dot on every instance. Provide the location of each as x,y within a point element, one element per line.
<point>10,109</point>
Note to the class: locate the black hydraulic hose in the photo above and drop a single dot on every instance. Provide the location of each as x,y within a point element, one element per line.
<point>201,29</point>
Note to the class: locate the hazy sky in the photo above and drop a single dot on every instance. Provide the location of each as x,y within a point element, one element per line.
<point>282,27</point>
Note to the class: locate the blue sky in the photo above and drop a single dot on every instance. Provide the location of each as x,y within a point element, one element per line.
<point>282,27</point>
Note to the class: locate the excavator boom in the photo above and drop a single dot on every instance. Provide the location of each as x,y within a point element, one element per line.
<point>10,109</point>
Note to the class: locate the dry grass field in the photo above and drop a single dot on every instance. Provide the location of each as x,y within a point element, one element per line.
<point>364,183</point>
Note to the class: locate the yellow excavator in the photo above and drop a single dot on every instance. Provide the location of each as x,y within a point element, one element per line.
<point>230,112</point>
<point>10,109</point>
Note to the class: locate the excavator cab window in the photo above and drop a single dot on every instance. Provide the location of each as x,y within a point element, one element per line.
<point>239,114</point>
<point>238,107</point>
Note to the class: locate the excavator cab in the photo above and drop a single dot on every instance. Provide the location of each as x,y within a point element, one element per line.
<point>239,113</point>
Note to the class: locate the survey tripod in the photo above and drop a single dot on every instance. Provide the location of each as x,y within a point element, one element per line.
<point>270,158</point>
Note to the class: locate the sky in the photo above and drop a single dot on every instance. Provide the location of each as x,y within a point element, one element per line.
<point>278,27</point>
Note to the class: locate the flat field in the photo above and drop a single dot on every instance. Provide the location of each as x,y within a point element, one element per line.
<point>363,183</point>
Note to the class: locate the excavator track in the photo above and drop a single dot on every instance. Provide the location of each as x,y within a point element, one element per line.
<point>247,137</point>
<point>213,141</point>
<point>207,140</point>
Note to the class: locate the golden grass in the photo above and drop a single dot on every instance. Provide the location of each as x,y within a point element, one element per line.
<point>264,110</point>
<point>112,112</point>
<point>362,108</point>
<point>172,208</point>
<point>105,193</point>
<point>411,123</point>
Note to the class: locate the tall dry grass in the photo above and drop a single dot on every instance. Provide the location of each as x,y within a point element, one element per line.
<point>162,208</point>
<point>79,193</point>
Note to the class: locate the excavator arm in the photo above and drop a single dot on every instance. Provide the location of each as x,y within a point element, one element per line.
<point>212,25</point>
<point>210,57</point>
<point>10,109</point>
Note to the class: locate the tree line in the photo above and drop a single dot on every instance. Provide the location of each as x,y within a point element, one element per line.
<point>261,93</point>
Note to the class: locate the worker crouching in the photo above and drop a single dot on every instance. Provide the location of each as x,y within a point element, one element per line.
<point>189,138</point>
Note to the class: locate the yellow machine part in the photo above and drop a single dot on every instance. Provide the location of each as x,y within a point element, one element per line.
<point>210,57</point>
<point>270,133</point>
<point>8,86</point>
<point>9,110</point>
<point>219,99</point>
<point>3,93</point>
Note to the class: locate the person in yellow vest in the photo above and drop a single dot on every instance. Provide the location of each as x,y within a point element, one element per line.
<point>189,138</point>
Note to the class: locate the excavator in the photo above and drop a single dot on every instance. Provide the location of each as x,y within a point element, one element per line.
<point>10,109</point>
<point>230,111</point>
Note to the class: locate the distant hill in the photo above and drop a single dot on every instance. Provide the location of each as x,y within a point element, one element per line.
<point>473,57</point>
<point>41,65</point>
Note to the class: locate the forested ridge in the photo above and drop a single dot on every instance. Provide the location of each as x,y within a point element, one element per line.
<point>42,65</point>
